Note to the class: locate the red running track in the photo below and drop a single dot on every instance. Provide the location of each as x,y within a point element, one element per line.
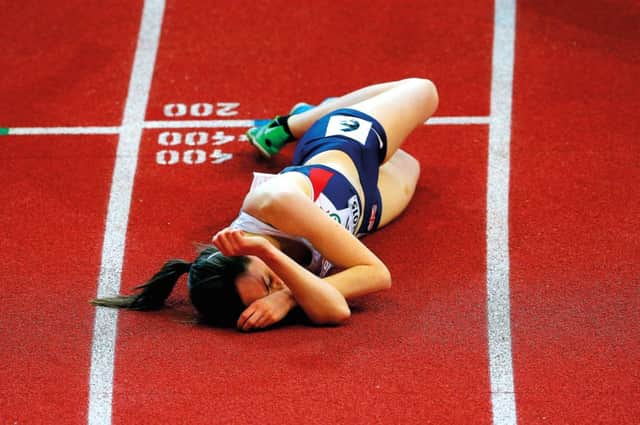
<point>68,63</point>
<point>415,354</point>
<point>418,351</point>
<point>53,203</point>
<point>62,64</point>
<point>575,213</point>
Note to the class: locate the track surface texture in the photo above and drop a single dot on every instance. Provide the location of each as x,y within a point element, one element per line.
<point>121,138</point>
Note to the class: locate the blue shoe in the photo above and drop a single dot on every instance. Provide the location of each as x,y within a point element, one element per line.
<point>301,107</point>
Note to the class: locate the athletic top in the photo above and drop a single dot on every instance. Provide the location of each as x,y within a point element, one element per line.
<point>318,265</point>
<point>332,193</point>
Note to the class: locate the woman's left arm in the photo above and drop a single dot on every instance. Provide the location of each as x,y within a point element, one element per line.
<point>293,213</point>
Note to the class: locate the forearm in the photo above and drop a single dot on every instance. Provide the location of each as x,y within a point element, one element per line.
<point>324,304</point>
<point>360,280</point>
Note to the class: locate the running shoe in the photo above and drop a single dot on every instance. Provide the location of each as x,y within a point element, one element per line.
<point>269,138</point>
<point>301,107</point>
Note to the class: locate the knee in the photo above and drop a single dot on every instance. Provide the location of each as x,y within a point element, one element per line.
<point>414,168</point>
<point>426,92</point>
<point>410,168</point>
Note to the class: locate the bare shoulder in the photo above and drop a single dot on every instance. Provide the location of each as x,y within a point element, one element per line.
<point>256,201</point>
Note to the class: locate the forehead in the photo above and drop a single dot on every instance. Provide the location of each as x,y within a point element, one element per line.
<point>251,284</point>
<point>249,279</point>
<point>256,266</point>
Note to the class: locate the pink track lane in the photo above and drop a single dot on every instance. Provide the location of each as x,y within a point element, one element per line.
<point>53,204</point>
<point>575,213</point>
<point>270,55</point>
<point>414,354</point>
<point>66,63</point>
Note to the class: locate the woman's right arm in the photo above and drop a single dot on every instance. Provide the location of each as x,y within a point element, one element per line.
<point>294,213</point>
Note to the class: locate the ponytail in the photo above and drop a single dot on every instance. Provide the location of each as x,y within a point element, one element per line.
<point>211,282</point>
<point>153,293</point>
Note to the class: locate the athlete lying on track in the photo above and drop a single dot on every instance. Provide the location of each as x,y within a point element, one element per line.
<point>295,241</point>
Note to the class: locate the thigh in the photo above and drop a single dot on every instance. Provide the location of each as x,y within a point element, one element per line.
<point>397,183</point>
<point>401,109</point>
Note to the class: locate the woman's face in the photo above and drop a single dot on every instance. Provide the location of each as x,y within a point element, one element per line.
<point>257,282</point>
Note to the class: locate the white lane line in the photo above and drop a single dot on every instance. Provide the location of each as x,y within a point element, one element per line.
<point>457,120</point>
<point>200,124</point>
<point>105,325</point>
<point>498,306</point>
<point>28,131</point>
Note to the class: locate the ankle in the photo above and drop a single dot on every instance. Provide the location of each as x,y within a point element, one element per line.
<point>296,125</point>
<point>283,121</point>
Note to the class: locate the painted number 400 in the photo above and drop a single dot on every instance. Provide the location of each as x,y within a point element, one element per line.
<point>191,157</point>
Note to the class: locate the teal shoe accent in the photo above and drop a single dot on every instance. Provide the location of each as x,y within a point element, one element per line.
<point>269,138</point>
<point>301,107</point>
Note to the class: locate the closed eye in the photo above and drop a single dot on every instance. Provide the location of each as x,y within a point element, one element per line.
<point>267,283</point>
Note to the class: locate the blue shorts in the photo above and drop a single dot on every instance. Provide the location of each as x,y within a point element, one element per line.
<point>364,140</point>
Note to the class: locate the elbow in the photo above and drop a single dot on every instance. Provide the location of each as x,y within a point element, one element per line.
<point>384,277</point>
<point>343,316</point>
<point>338,317</point>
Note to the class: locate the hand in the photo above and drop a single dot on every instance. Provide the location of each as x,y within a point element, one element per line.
<point>234,242</point>
<point>266,311</point>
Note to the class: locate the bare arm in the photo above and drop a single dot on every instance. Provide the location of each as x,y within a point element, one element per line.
<point>323,303</point>
<point>363,272</point>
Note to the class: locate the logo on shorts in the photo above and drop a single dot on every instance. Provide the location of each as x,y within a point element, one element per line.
<point>349,125</point>
<point>325,267</point>
<point>353,128</point>
<point>372,218</point>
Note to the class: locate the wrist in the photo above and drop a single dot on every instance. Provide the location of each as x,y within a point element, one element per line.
<point>287,295</point>
<point>268,253</point>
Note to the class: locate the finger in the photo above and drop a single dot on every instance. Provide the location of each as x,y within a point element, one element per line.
<point>251,321</point>
<point>235,240</point>
<point>220,242</point>
<point>264,322</point>
<point>245,316</point>
<point>226,245</point>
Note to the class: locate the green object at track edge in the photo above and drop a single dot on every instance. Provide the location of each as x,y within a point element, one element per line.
<point>4,131</point>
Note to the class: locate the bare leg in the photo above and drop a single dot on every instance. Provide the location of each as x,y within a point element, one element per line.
<point>401,109</point>
<point>400,106</point>
<point>300,123</point>
<point>397,183</point>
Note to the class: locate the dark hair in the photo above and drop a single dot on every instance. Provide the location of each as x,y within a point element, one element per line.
<point>212,287</point>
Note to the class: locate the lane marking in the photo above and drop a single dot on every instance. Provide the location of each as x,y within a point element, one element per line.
<point>201,124</point>
<point>503,399</point>
<point>29,131</point>
<point>458,120</point>
<point>105,325</point>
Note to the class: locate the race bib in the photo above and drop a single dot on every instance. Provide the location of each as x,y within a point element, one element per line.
<point>352,127</point>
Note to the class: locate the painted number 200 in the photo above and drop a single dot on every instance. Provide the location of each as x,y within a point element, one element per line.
<point>201,109</point>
